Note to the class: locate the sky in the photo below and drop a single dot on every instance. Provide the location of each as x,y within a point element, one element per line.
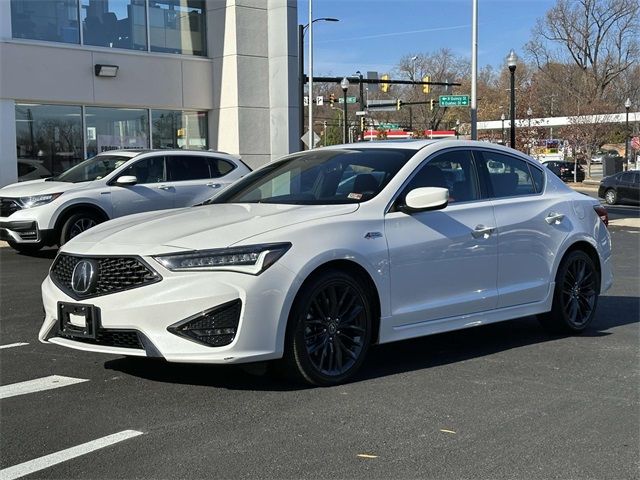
<point>372,35</point>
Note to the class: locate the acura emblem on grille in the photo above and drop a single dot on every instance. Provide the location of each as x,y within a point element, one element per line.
<point>83,278</point>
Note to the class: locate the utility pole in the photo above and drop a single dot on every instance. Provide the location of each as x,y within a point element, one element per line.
<point>474,71</point>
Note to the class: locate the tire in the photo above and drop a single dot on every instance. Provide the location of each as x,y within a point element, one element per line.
<point>26,248</point>
<point>329,329</point>
<point>76,224</point>
<point>575,297</point>
<point>611,196</point>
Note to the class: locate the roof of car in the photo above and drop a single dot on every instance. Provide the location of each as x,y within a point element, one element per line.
<point>133,152</point>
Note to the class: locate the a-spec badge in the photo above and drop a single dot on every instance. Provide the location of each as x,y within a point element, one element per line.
<point>372,235</point>
<point>84,276</point>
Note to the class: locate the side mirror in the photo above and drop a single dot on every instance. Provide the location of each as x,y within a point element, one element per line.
<point>127,180</point>
<point>426,198</point>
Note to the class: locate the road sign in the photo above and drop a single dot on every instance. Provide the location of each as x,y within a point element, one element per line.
<point>320,100</point>
<point>360,113</point>
<point>635,143</point>
<point>305,138</point>
<point>388,126</point>
<point>388,105</point>
<point>306,101</point>
<point>349,100</point>
<point>453,101</point>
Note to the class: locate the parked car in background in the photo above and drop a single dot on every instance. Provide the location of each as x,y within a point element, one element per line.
<point>112,184</point>
<point>620,188</point>
<point>565,170</point>
<point>313,258</point>
<point>599,155</point>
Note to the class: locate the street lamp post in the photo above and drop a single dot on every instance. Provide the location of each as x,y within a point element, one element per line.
<point>627,106</point>
<point>529,113</point>
<point>344,84</point>
<point>302,29</point>
<point>511,62</point>
<point>502,118</point>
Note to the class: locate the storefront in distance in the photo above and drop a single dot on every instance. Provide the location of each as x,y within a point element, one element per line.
<point>190,74</point>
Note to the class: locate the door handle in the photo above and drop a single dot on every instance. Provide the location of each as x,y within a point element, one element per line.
<point>554,218</point>
<point>164,187</point>
<point>214,185</point>
<point>482,231</point>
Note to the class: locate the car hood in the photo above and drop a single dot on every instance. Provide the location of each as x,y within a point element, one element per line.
<point>195,228</point>
<point>36,187</point>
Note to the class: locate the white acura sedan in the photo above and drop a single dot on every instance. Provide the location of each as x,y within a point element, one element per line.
<point>315,257</point>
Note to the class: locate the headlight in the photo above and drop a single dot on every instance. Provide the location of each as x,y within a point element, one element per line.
<point>252,259</point>
<point>37,200</point>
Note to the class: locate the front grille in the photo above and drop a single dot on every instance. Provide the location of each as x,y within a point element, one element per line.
<point>8,206</point>
<point>111,338</point>
<point>114,274</point>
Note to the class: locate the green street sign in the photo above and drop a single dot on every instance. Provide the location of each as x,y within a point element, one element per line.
<point>453,101</point>
<point>388,126</point>
<point>349,100</point>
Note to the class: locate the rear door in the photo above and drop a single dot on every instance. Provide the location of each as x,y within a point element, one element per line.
<point>196,178</point>
<point>530,226</point>
<point>628,186</point>
<point>152,192</point>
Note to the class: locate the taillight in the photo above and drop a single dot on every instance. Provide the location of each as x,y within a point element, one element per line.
<point>602,213</point>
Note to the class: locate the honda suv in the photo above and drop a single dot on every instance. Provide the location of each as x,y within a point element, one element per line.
<point>112,184</point>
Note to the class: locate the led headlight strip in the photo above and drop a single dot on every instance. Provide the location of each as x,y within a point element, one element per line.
<point>252,259</point>
<point>37,200</point>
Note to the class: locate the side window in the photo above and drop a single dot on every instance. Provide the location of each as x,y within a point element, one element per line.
<point>508,176</point>
<point>538,178</point>
<point>627,177</point>
<point>219,167</point>
<point>453,170</point>
<point>187,167</point>
<point>147,170</point>
<point>636,179</point>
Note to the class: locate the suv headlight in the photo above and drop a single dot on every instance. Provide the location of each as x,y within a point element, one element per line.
<point>252,259</point>
<point>37,200</point>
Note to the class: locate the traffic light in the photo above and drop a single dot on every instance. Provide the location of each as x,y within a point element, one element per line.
<point>431,104</point>
<point>426,88</point>
<point>398,104</point>
<point>384,87</point>
<point>332,99</point>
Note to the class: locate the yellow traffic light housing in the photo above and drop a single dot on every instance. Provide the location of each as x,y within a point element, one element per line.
<point>398,104</point>
<point>384,87</point>
<point>431,104</point>
<point>332,99</point>
<point>426,88</point>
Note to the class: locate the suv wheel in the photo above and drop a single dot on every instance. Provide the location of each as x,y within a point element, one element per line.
<point>611,196</point>
<point>76,224</point>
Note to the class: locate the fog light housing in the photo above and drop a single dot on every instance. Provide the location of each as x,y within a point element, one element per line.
<point>215,327</point>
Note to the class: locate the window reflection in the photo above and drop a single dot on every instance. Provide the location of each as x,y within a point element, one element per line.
<point>177,26</point>
<point>52,21</point>
<point>48,139</point>
<point>116,128</point>
<point>177,129</point>
<point>114,23</point>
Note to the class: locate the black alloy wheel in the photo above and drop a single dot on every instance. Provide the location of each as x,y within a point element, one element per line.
<point>331,325</point>
<point>575,296</point>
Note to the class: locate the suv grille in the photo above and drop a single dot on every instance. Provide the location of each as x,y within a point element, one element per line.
<point>113,274</point>
<point>8,206</point>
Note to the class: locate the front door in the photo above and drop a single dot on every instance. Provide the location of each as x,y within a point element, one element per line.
<point>152,192</point>
<point>443,263</point>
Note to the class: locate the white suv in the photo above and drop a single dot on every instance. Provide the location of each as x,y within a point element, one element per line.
<point>112,184</point>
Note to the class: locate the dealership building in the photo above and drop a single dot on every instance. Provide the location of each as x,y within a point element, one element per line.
<point>78,77</point>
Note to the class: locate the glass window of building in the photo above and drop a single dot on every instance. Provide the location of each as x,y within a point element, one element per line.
<point>48,139</point>
<point>116,128</point>
<point>115,23</point>
<point>52,21</point>
<point>177,26</point>
<point>177,129</point>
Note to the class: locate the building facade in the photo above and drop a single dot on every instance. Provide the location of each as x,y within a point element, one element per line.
<point>78,77</point>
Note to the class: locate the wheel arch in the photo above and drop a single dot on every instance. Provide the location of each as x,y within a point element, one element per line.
<point>79,207</point>
<point>356,270</point>
<point>583,245</point>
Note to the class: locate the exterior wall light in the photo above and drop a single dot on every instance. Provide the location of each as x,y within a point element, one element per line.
<point>106,70</point>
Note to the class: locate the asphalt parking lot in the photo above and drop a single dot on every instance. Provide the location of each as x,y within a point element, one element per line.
<point>501,401</point>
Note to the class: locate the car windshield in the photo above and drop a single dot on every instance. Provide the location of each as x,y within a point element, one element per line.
<point>319,177</point>
<point>92,169</point>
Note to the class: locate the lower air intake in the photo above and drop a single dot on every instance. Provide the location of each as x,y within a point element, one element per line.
<point>216,327</point>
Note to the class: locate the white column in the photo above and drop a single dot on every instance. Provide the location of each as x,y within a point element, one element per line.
<point>8,152</point>
<point>5,19</point>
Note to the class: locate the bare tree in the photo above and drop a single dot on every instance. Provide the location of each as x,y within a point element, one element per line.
<point>600,38</point>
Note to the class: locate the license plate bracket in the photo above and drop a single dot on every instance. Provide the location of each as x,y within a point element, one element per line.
<point>78,320</point>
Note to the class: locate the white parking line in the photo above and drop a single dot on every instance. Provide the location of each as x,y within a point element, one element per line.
<point>52,459</point>
<point>9,345</point>
<point>37,385</point>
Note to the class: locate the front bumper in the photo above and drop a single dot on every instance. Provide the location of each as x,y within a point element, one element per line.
<point>152,309</point>
<point>25,232</point>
